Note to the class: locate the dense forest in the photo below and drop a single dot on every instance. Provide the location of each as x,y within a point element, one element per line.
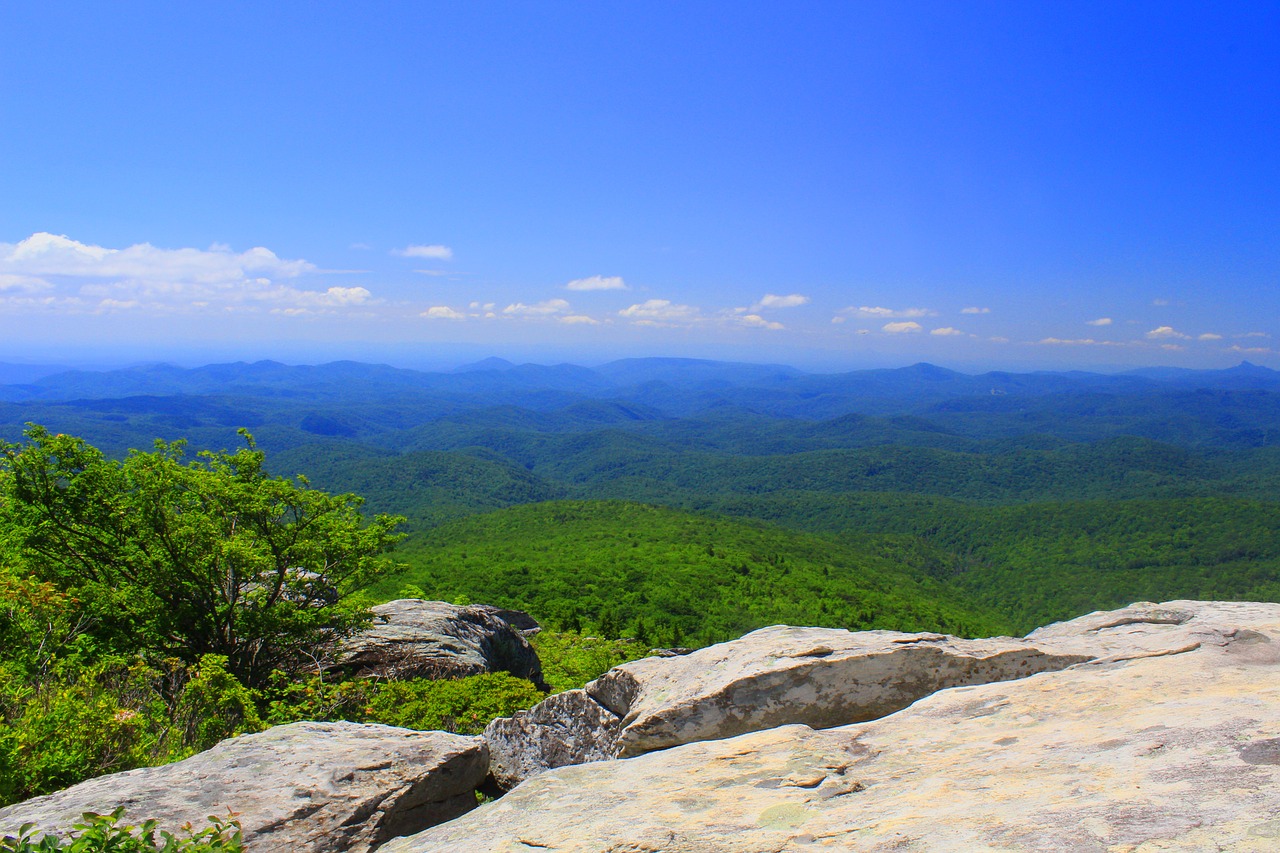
<point>643,503</point>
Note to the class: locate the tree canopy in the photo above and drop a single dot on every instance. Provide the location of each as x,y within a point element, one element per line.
<point>191,557</point>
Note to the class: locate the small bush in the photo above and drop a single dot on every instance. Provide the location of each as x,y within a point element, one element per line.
<point>464,706</point>
<point>104,834</point>
<point>570,660</point>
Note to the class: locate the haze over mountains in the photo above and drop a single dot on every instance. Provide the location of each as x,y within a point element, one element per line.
<point>568,397</point>
<point>1028,496</point>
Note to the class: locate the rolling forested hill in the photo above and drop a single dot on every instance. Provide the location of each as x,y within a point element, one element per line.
<point>919,496</point>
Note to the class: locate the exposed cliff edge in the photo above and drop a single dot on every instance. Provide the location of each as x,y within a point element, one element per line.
<point>1151,727</point>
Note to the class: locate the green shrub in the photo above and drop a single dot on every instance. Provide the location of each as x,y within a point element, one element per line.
<point>314,698</point>
<point>213,706</point>
<point>78,724</point>
<point>570,660</point>
<point>104,834</point>
<point>464,705</point>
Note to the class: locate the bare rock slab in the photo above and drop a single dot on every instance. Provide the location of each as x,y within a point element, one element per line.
<point>1159,744</point>
<point>308,787</point>
<point>412,638</point>
<point>820,677</point>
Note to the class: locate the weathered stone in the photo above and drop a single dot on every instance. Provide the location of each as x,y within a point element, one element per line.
<point>412,638</point>
<point>1167,742</point>
<point>518,619</point>
<point>301,787</point>
<point>820,677</point>
<point>567,728</point>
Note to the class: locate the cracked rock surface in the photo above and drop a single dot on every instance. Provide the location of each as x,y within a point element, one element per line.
<point>820,677</point>
<point>1167,739</point>
<point>308,787</point>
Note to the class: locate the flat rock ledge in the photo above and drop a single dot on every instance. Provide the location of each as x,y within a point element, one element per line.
<point>819,677</point>
<point>1169,740</point>
<point>306,787</point>
<point>412,638</point>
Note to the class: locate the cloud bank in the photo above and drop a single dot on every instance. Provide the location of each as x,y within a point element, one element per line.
<point>598,282</point>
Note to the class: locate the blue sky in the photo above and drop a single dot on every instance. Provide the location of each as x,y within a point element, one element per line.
<point>1022,185</point>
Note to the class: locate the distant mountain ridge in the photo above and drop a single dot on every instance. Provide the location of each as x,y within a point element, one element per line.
<point>686,381</point>
<point>714,406</point>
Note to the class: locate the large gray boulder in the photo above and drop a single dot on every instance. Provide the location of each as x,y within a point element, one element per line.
<point>564,729</point>
<point>1169,739</point>
<point>306,787</point>
<point>412,638</point>
<point>820,677</point>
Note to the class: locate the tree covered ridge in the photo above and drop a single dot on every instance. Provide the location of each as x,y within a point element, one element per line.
<point>672,577</point>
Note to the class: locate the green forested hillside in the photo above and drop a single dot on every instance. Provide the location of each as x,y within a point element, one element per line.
<point>427,487</point>
<point>673,577</point>
<point>1041,562</point>
<point>1040,494</point>
<point>674,502</point>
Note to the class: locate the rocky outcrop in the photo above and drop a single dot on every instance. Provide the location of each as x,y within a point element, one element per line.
<point>775,676</point>
<point>412,638</point>
<point>1167,739</point>
<point>565,729</point>
<point>518,619</point>
<point>302,787</point>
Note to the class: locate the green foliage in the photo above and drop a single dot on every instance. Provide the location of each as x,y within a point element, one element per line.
<point>97,833</point>
<point>192,558</point>
<point>1037,563</point>
<point>570,660</point>
<point>464,705</point>
<point>611,568</point>
<point>77,723</point>
<point>84,718</point>
<point>214,706</point>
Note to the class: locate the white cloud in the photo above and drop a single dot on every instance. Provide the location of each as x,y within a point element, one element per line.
<point>661,312</point>
<point>839,319</point>
<point>23,283</point>
<point>579,319</point>
<point>1255,350</point>
<point>1175,347</point>
<point>598,282</point>
<point>1160,302</point>
<point>1075,342</point>
<point>975,310</point>
<point>758,322</point>
<point>1101,321</point>
<point>999,339</point>
<point>117,305</point>
<point>482,306</point>
<point>46,254</point>
<point>163,281</point>
<point>1209,336</point>
<point>770,300</point>
<point>435,252</point>
<point>875,313</point>
<point>1165,332</point>
<point>345,296</point>
<point>538,309</point>
<point>1253,335</point>
<point>902,328</point>
<point>946,330</point>
<point>442,312</point>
